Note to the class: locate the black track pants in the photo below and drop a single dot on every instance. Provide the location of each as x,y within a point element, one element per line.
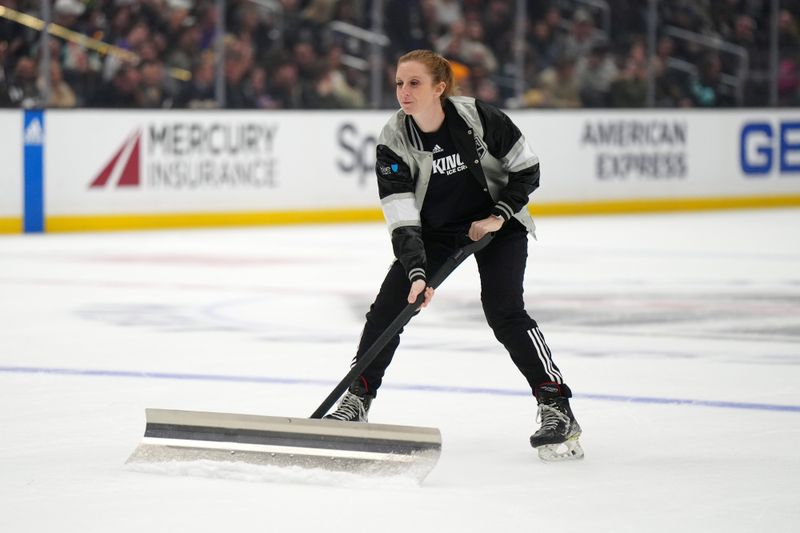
<point>502,268</point>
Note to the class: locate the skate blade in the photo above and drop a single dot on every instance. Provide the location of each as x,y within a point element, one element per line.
<point>569,450</point>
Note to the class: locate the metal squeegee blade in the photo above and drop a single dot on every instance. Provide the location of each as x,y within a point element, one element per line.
<point>370,449</point>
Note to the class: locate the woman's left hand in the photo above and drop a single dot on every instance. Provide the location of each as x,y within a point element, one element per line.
<point>479,228</point>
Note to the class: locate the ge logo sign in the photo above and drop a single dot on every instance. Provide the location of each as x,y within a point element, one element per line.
<point>760,145</point>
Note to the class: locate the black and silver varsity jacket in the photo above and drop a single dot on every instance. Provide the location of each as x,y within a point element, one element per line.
<point>494,150</point>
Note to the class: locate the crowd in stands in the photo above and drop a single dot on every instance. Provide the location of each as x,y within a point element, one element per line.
<point>285,54</point>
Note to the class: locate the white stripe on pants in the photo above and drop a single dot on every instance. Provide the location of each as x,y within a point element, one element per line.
<point>543,351</point>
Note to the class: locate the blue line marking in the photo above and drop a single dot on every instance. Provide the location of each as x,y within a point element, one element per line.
<point>409,387</point>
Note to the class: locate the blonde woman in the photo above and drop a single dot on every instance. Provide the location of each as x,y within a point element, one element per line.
<point>449,169</point>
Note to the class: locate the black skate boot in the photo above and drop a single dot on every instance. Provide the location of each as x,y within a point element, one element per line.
<point>354,406</point>
<point>557,438</point>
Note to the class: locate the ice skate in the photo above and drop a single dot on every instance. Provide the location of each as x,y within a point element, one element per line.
<point>557,438</point>
<point>354,406</point>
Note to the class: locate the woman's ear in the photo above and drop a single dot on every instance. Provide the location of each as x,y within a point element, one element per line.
<point>439,88</point>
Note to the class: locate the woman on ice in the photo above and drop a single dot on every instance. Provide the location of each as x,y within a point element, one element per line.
<point>452,168</point>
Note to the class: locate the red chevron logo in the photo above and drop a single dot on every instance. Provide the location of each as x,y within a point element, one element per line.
<point>123,169</point>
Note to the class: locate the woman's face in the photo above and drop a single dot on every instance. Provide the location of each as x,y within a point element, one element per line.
<point>416,91</point>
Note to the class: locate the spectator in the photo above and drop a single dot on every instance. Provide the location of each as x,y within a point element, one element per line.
<point>154,93</point>
<point>789,59</point>
<point>66,13</point>
<point>788,82</point>
<point>23,91</point>
<point>81,72</point>
<point>347,83</point>
<point>137,35</point>
<point>305,58</point>
<point>558,86</point>
<point>476,53</point>
<point>498,27</point>
<point>745,34</point>
<point>582,36</point>
<point>708,89</point>
<point>254,28</point>
<point>285,89</point>
<point>319,12</point>
<point>451,44</point>
<point>320,93</point>
<point>122,91</point>
<point>671,84</point>
<point>447,12</point>
<point>186,49</point>
<point>199,93</point>
<point>257,90</point>
<point>238,61</point>
<point>413,24</point>
<point>352,11</point>
<point>61,94</point>
<point>544,44</point>
<point>595,73</point>
<point>488,92</point>
<point>5,100</point>
<point>630,87</point>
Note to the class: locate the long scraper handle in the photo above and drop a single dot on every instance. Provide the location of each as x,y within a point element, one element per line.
<point>398,323</point>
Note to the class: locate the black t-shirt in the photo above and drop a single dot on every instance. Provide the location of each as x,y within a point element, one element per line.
<point>454,198</point>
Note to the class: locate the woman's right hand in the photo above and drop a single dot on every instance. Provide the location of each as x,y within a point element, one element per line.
<point>417,287</point>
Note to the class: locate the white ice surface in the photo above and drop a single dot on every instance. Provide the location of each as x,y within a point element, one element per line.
<point>665,326</point>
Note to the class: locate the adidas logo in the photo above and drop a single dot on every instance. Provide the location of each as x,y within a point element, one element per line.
<point>437,149</point>
<point>34,133</point>
<point>123,169</point>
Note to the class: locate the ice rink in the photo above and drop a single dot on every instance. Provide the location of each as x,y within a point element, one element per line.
<point>679,333</point>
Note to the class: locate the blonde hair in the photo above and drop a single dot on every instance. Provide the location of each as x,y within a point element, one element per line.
<point>439,68</point>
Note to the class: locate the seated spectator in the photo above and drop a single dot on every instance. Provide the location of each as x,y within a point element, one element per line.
<point>238,60</point>
<point>187,48</point>
<point>5,100</point>
<point>557,87</point>
<point>122,91</point>
<point>61,94</point>
<point>284,87</point>
<point>582,35</point>
<point>199,92</point>
<point>347,82</point>
<point>153,88</point>
<point>545,44</point>
<point>66,12</point>
<point>476,53</point>
<point>788,82</point>
<point>498,22</point>
<point>672,84</point>
<point>23,91</point>
<point>487,91</point>
<point>413,22</point>
<point>708,89</point>
<point>595,73</point>
<point>305,57</point>
<point>447,12</point>
<point>82,73</point>
<point>320,93</point>
<point>630,87</point>
<point>257,90</point>
<point>452,43</point>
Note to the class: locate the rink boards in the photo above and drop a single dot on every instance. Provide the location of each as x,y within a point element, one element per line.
<point>110,169</point>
